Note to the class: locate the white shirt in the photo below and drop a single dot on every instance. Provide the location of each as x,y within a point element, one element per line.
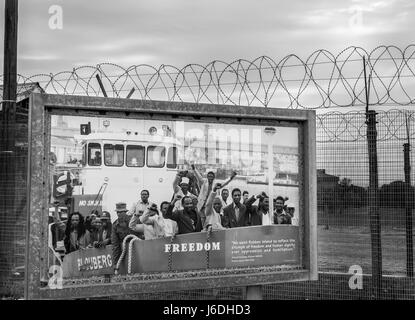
<point>236,208</point>
<point>213,218</point>
<point>266,221</point>
<point>170,227</point>
<point>204,194</point>
<point>224,204</point>
<point>138,206</point>
<point>157,226</point>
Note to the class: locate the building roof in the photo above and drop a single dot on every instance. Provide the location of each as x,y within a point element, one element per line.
<point>322,175</point>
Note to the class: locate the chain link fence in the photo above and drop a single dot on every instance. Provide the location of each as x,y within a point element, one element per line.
<point>343,221</point>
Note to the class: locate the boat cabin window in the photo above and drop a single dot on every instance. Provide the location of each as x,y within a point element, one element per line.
<point>135,156</point>
<point>113,155</point>
<point>156,156</point>
<point>94,154</point>
<point>172,158</point>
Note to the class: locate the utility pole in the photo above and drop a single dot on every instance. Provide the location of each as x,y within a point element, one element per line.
<point>8,121</point>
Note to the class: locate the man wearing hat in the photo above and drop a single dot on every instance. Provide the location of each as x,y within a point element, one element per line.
<point>120,230</point>
<point>181,188</point>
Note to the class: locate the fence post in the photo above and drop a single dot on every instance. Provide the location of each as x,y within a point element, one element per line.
<point>7,140</point>
<point>374,218</point>
<point>408,209</point>
<point>375,228</point>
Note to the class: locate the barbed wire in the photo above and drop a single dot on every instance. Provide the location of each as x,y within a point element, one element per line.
<point>336,126</point>
<point>322,80</point>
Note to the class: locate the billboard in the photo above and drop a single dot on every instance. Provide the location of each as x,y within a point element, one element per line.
<point>161,187</point>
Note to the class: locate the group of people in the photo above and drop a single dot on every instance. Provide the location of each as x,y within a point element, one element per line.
<point>186,212</point>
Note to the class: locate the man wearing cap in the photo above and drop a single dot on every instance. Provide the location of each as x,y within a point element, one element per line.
<point>181,188</point>
<point>120,230</point>
<point>142,205</point>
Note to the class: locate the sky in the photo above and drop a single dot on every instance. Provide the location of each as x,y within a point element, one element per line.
<point>180,32</point>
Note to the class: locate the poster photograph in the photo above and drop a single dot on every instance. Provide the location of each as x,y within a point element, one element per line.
<point>166,186</point>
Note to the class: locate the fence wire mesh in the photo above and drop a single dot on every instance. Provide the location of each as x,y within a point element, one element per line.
<point>13,210</point>
<point>343,220</point>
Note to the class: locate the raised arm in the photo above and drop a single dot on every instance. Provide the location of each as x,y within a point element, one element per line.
<point>209,203</point>
<point>170,214</point>
<point>250,201</point>
<point>233,175</point>
<point>145,217</point>
<point>131,212</point>
<point>176,181</point>
<point>135,225</point>
<point>198,175</point>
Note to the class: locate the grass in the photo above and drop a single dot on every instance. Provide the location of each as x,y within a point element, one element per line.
<point>344,240</point>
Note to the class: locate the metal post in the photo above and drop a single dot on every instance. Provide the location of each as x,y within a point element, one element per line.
<point>408,207</point>
<point>101,86</point>
<point>9,98</point>
<point>8,121</point>
<point>375,228</point>
<point>374,219</point>
<point>271,176</point>
<point>269,133</point>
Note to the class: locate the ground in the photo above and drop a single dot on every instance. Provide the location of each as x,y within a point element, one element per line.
<point>344,240</point>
